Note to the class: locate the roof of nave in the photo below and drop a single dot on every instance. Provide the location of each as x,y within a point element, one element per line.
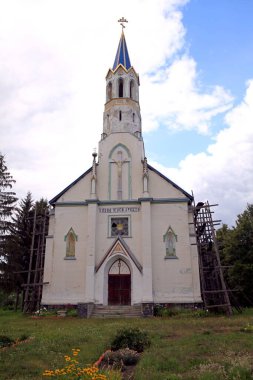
<point>122,56</point>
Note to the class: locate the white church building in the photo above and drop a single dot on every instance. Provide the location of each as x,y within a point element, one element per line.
<point>121,233</point>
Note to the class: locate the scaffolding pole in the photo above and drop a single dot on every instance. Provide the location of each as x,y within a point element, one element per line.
<point>34,282</point>
<point>214,292</point>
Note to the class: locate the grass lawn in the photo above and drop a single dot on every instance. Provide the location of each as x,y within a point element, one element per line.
<point>183,347</point>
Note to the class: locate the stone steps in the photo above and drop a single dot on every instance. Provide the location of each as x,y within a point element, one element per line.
<point>117,311</point>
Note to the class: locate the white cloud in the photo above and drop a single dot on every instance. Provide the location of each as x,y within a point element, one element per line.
<point>174,97</point>
<point>224,172</point>
<point>54,56</point>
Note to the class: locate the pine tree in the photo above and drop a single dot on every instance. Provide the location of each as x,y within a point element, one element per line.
<point>7,204</point>
<point>17,245</point>
<point>7,197</point>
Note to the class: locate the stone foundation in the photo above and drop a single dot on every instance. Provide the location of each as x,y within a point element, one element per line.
<point>147,309</point>
<point>84,310</point>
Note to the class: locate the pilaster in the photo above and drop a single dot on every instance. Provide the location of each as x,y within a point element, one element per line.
<point>147,284</point>
<point>91,251</point>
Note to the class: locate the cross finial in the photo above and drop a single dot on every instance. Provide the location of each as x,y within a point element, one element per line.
<point>122,20</point>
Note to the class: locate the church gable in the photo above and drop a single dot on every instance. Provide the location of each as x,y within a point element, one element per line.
<point>122,232</point>
<point>78,190</point>
<point>162,187</point>
<point>119,247</point>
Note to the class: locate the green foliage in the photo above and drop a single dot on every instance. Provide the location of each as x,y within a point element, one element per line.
<point>7,300</point>
<point>247,329</point>
<point>7,204</point>
<point>132,338</point>
<point>180,347</point>
<point>236,249</point>
<point>17,247</point>
<point>163,311</point>
<point>7,198</point>
<point>72,312</point>
<point>16,250</point>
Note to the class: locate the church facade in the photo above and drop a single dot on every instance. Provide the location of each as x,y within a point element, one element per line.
<point>122,233</point>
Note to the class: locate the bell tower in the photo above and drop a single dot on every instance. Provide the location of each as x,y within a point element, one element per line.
<point>121,149</point>
<point>122,109</point>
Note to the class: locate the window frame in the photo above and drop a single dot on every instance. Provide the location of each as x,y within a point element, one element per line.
<point>119,216</point>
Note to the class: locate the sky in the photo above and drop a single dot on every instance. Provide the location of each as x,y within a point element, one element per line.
<point>195,62</point>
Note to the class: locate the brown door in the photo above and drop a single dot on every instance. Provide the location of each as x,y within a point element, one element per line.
<point>119,289</point>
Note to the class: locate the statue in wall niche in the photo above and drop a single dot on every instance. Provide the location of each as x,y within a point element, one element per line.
<point>170,239</point>
<point>70,239</point>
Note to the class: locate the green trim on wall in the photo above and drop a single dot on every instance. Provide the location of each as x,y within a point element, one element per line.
<point>123,202</point>
<point>123,147</point>
<point>117,146</point>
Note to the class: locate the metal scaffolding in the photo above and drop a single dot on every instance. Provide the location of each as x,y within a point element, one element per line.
<point>214,292</point>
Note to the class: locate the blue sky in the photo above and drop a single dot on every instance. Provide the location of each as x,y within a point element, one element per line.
<point>195,61</point>
<point>219,35</point>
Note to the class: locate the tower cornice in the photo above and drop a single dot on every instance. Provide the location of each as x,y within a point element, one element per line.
<point>121,102</point>
<point>127,71</point>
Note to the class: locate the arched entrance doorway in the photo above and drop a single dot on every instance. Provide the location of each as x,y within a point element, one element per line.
<point>119,284</point>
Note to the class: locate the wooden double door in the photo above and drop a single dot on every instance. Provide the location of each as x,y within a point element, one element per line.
<point>119,284</point>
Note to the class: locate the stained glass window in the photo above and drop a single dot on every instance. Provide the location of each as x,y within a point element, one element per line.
<point>119,226</point>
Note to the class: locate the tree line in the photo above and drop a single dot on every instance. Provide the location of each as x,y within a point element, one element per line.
<point>16,231</point>
<point>236,252</point>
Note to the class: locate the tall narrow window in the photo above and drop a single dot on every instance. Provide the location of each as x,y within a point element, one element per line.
<point>120,115</point>
<point>133,117</point>
<point>70,239</point>
<point>109,91</point>
<point>121,88</point>
<point>131,89</point>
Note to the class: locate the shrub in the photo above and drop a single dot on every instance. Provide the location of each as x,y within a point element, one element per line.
<point>164,311</point>
<point>72,312</point>
<point>134,339</point>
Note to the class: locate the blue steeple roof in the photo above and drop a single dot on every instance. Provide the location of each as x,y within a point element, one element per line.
<point>122,55</point>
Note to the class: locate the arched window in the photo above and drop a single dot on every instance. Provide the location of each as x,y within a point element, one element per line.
<point>119,267</point>
<point>131,89</point>
<point>70,239</point>
<point>133,117</point>
<point>170,239</point>
<point>120,115</point>
<point>121,88</point>
<point>109,91</point>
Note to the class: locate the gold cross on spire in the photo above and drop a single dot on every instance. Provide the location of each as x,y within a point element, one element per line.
<point>122,20</point>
